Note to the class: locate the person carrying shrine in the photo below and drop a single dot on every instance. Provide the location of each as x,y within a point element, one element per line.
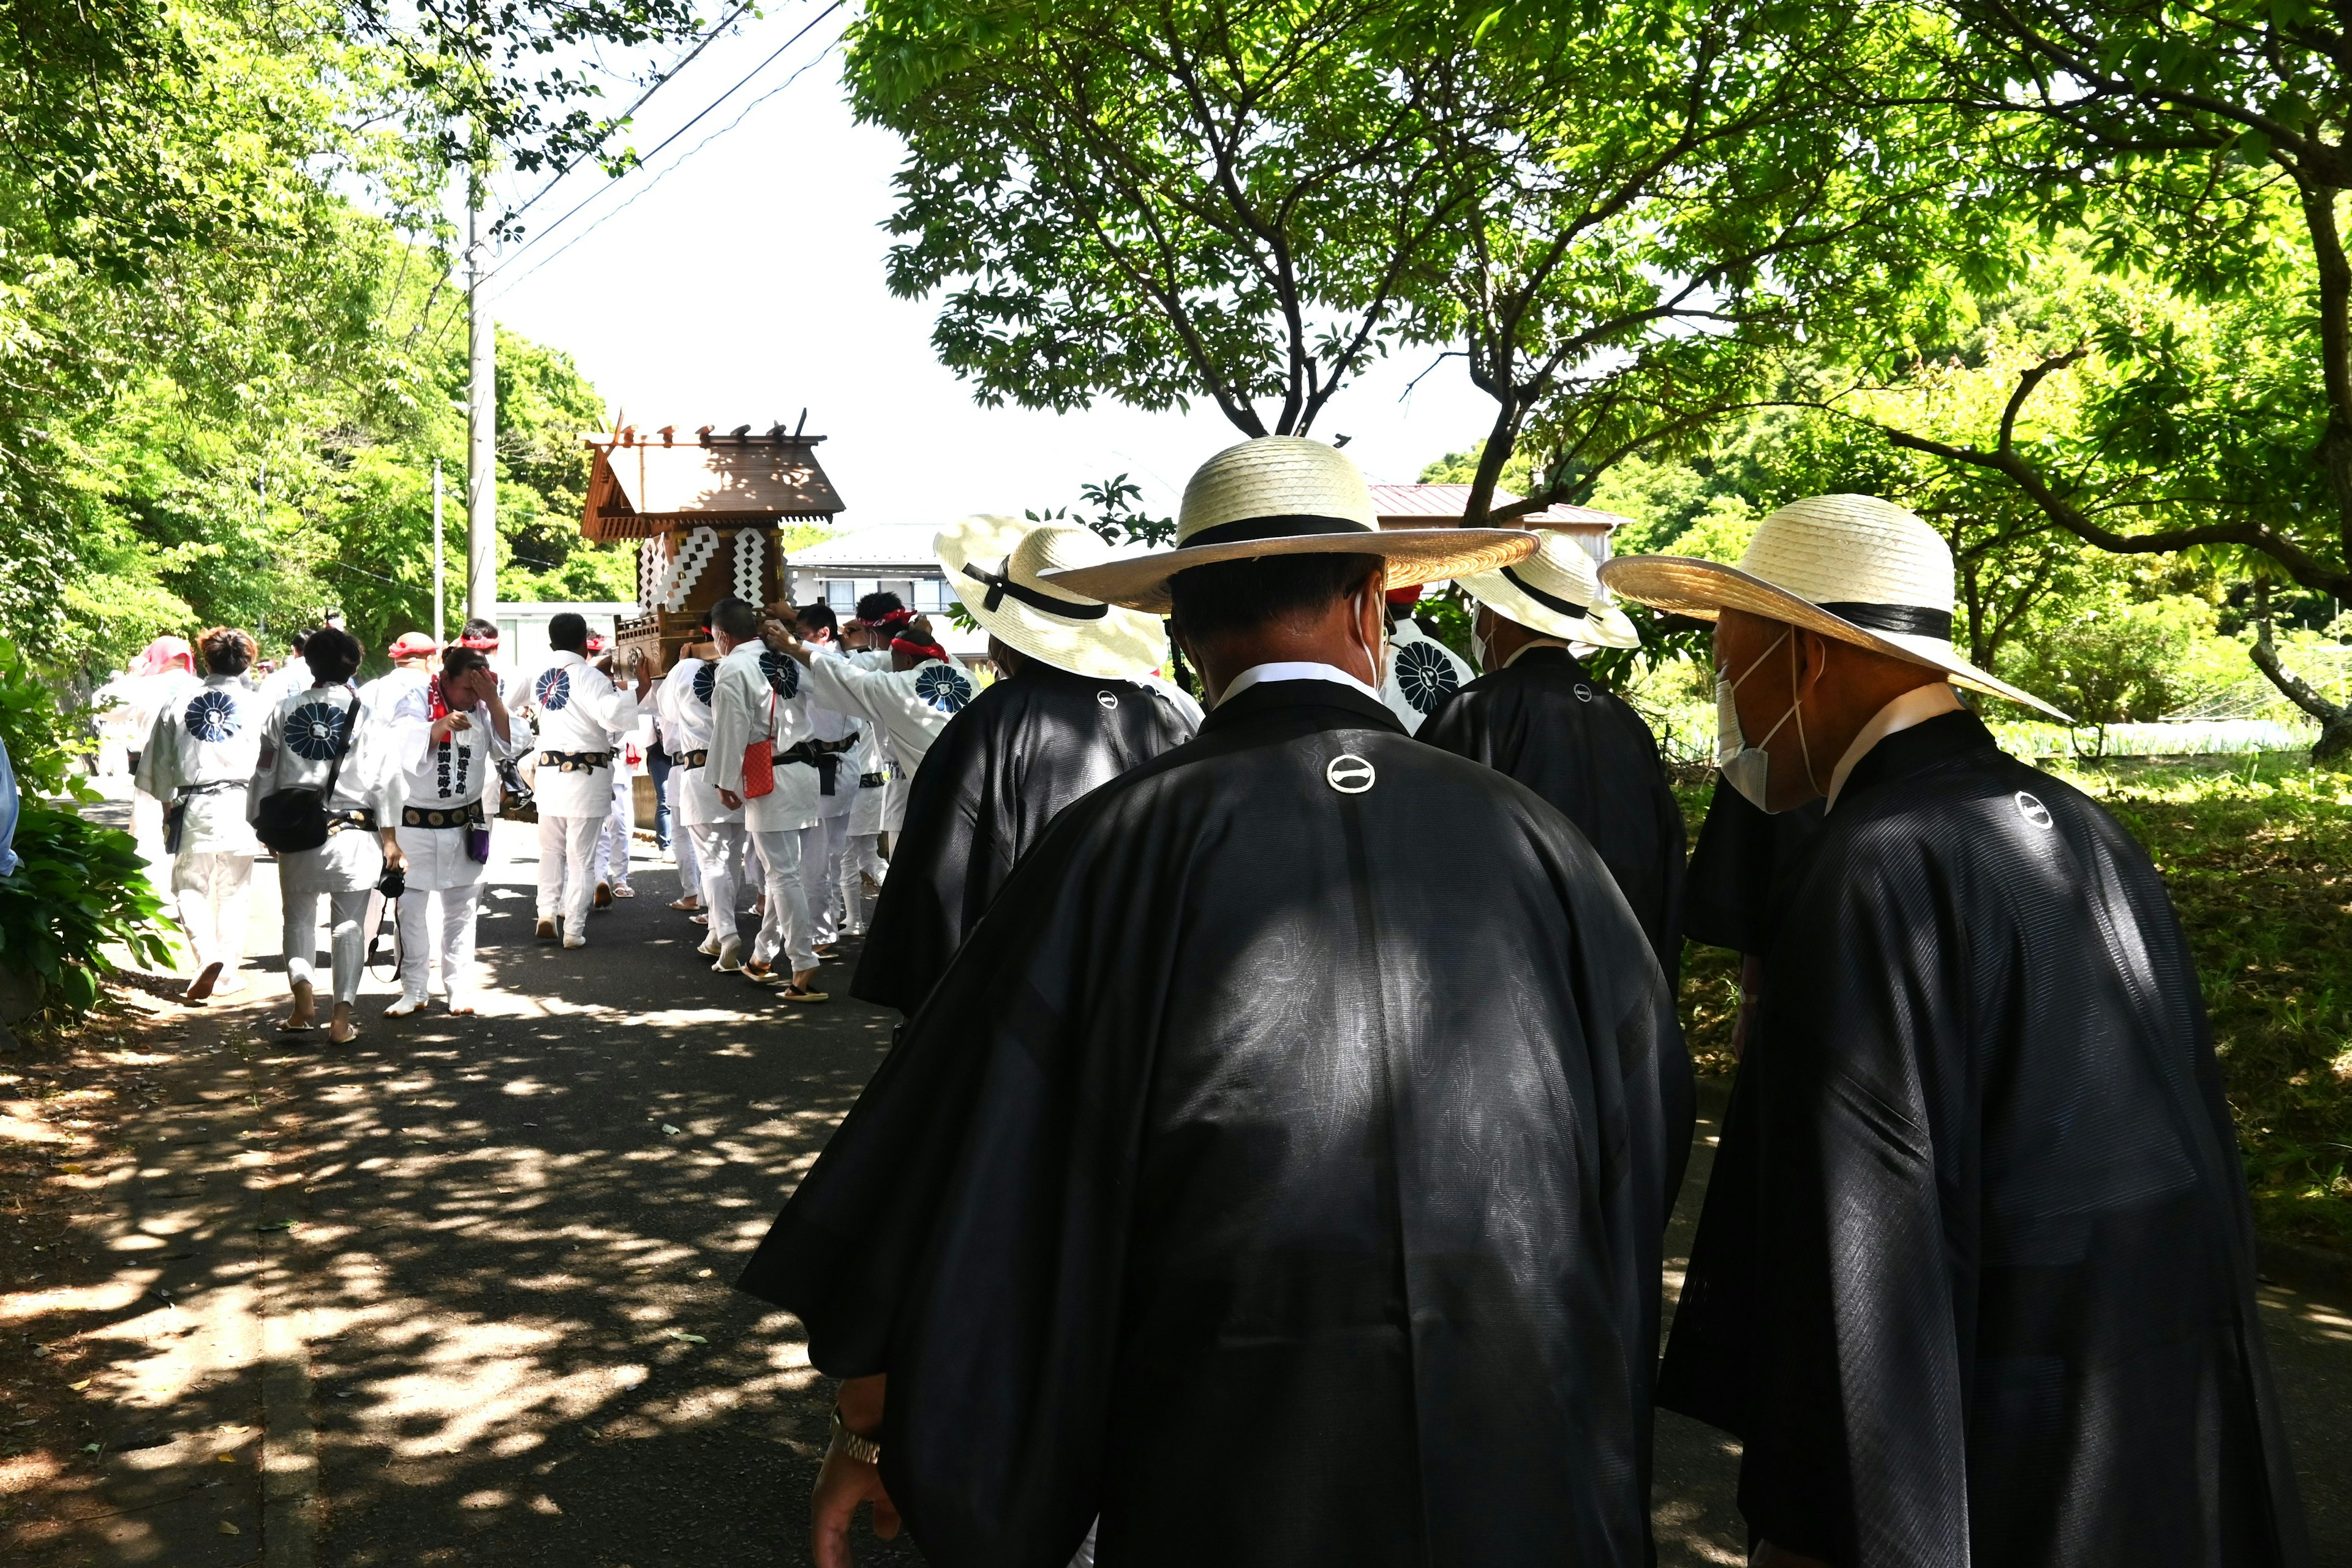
<point>909,702</point>
<point>759,698</point>
<point>715,826</point>
<point>684,732</point>
<point>1539,715</point>
<point>1064,716</point>
<point>1285,1214</point>
<point>198,760</point>
<point>324,739</point>
<point>446,739</point>
<point>834,741</point>
<point>1975,1278</point>
<point>1423,672</point>
<point>580,715</point>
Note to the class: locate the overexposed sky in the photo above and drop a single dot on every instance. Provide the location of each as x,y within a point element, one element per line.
<point>747,284</point>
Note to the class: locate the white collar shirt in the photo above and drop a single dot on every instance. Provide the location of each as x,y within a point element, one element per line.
<point>1292,669</point>
<point>1914,708</point>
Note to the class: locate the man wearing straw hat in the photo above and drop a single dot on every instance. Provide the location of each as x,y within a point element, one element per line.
<point>1067,716</point>
<point>1539,715</point>
<point>1217,1190</point>
<point>1974,1283</point>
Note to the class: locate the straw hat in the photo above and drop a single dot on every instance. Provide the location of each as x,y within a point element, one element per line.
<point>994,564</point>
<point>1857,568</point>
<point>1555,592</point>
<point>1284,495</point>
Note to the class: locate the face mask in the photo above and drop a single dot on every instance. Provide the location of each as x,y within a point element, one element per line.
<point>1378,658</point>
<point>1746,768</point>
<point>1478,648</point>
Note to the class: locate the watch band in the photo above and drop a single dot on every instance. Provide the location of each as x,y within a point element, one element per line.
<point>865,1451</point>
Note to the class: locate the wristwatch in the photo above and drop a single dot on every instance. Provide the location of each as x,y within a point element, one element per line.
<point>865,1451</point>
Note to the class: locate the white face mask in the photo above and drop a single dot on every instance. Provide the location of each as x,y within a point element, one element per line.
<point>1377,656</point>
<point>1748,769</point>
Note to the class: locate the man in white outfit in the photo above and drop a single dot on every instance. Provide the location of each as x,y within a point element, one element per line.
<point>836,740</point>
<point>446,741</point>
<point>715,826</point>
<point>757,699</point>
<point>576,710</point>
<point>911,702</point>
<point>412,655</point>
<point>198,760</point>
<point>677,738</point>
<point>323,739</point>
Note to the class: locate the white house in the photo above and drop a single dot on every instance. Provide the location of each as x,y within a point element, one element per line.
<point>892,557</point>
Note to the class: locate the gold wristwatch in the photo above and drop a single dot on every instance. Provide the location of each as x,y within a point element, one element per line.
<point>865,1451</point>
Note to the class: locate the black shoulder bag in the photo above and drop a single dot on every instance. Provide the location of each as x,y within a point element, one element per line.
<point>289,820</point>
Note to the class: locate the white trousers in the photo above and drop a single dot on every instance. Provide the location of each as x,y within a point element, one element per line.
<point>612,843</point>
<point>301,935</point>
<point>861,857</point>
<point>719,846</point>
<point>784,925</point>
<point>213,893</point>
<point>567,868</point>
<point>681,841</point>
<point>460,907</point>
<point>819,876</point>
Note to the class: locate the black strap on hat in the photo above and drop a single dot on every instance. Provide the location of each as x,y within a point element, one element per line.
<point>1286,527</point>
<point>1551,602</point>
<point>1909,620</point>
<point>1000,586</point>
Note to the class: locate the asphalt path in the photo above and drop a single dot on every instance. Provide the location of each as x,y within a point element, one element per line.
<point>513,1238</point>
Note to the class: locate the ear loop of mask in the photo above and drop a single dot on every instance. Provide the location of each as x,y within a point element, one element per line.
<point>1796,705</point>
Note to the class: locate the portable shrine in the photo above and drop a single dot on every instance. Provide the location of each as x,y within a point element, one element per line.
<point>706,510</point>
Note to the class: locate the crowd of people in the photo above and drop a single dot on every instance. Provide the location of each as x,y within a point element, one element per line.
<point>1273,1162</point>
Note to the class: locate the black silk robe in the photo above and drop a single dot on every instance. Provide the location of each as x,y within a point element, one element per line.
<point>1002,770</point>
<point>1233,1187</point>
<point>1975,1278</point>
<point>1543,719</point>
<point>1742,855</point>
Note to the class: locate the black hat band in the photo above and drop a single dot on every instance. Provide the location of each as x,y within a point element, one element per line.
<point>1000,586</point>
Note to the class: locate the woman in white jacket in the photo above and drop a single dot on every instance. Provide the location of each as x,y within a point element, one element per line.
<point>300,742</point>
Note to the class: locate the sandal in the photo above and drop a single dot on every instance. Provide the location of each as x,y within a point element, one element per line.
<point>794,994</point>
<point>689,902</point>
<point>201,988</point>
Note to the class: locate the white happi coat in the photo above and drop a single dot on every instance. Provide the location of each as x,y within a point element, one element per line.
<point>298,747</point>
<point>832,724</point>
<point>909,706</point>
<point>1422,673</point>
<point>385,693</point>
<point>575,707</point>
<point>148,698</point>
<point>208,744</point>
<point>685,698</point>
<point>761,695</point>
<point>441,777</point>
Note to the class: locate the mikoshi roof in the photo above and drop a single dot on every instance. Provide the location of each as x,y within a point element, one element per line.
<point>642,486</point>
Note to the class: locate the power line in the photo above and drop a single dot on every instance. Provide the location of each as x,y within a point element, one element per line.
<point>748,110</point>
<point>700,115</point>
<point>664,79</point>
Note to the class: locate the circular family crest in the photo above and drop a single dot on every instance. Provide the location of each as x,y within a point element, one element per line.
<point>1583,692</point>
<point>705,679</point>
<point>944,687</point>
<point>554,691</point>
<point>1350,773</point>
<point>212,717</point>
<point>2030,807</point>
<point>1425,676</point>
<point>783,675</point>
<point>1105,700</point>
<point>315,731</point>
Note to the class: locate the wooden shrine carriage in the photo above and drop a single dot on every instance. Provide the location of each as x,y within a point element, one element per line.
<point>707,512</point>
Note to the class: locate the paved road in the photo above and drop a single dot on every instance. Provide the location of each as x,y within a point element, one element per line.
<point>515,1237</point>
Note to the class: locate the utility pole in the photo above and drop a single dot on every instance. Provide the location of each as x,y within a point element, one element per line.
<point>440,563</point>
<point>481,404</point>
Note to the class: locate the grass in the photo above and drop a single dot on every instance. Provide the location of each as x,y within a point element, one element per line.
<point>2257,852</point>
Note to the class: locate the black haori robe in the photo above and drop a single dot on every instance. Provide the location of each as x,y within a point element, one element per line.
<point>1974,1282</point>
<point>1543,719</point>
<point>1232,1186</point>
<point>1741,856</point>
<point>1002,769</point>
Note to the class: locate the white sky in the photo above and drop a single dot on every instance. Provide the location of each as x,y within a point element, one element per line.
<point>748,284</point>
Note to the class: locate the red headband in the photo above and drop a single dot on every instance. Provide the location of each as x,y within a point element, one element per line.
<point>916,645</point>
<point>1400,598</point>
<point>893,621</point>
<point>480,645</point>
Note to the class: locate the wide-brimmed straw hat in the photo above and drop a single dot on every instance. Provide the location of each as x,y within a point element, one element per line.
<point>1284,495</point>
<point>994,565</point>
<point>1556,591</point>
<point>1857,568</point>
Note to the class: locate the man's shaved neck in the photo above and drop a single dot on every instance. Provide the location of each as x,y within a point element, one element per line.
<point>1336,634</point>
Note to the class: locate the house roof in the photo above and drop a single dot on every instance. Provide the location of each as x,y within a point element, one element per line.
<point>1423,505</point>
<point>645,487</point>
<point>887,546</point>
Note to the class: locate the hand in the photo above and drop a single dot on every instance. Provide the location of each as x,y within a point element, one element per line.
<point>394,858</point>
<point>730,800</point>
<point>449,724</point>
<point>841,1485</point>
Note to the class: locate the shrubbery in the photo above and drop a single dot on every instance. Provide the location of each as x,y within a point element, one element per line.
<point>78,887</point>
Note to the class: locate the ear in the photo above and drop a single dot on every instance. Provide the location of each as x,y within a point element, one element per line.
<point>1814,655</point>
